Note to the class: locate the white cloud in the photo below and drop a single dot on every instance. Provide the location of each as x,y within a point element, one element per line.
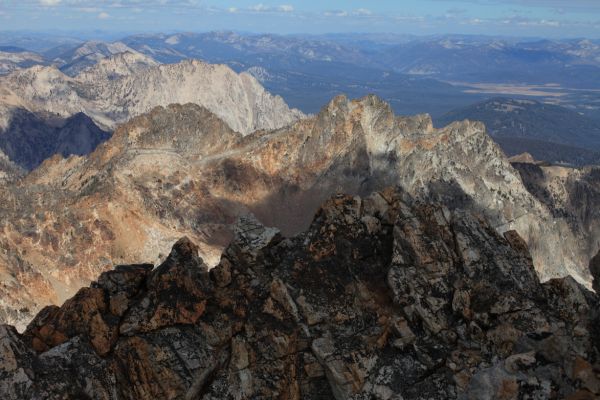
<point>232,10</point>
<point>286,8</point>
<point>50,3</point>
<point>550,23</point>
<point>103,15</point>
<point>363,11</point>
<point>260,8</point>
<point>89,9</point>
<point>336,13</point>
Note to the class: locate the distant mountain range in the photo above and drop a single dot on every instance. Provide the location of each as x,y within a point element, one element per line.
<point>44,112</point>
<point>405,70</point>
<point>549,132</point>
<point>570,63</point>
<point>469,58</point>
<point>13,58</point>
<point>307,71</point>
<point>431,74</point>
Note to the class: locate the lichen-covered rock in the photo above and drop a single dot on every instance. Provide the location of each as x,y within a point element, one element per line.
<point>431,304</point>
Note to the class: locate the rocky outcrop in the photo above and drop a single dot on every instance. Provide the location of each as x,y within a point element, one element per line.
<point>115,89</point>
<point>383,297</point>
<point>523,158</point>
<point>182,171</point>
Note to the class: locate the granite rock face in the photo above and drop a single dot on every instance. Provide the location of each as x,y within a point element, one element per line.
<point>383,297</point>
<point>125,85</point>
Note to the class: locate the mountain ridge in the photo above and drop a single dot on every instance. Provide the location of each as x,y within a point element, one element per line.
<point>181,170</point>
<point>244,104</point>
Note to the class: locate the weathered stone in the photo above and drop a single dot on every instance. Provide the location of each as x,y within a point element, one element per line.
<point>222,273</point>
<point>175,295</point>
<point>435,304</point>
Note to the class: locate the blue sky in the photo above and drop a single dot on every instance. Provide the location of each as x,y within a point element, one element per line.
<point>549,18</point>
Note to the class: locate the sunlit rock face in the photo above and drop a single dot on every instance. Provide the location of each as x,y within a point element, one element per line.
<point>382,297</point>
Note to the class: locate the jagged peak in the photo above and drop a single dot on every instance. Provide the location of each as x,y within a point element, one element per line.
<point>372,111</point>
<point>184,250</point>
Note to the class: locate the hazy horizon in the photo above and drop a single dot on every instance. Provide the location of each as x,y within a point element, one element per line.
<point>105,35</point>
<point>535,18</point>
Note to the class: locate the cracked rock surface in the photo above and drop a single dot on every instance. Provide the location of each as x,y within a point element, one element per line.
<point>383,297</point>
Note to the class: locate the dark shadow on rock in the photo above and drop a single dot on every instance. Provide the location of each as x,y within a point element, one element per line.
<point>31,138</point>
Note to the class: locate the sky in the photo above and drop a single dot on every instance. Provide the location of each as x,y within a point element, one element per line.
<point>533,18</point>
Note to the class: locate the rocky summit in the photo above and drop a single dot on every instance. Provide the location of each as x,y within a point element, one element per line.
<point>182,171</point>
<point>383,297</point>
